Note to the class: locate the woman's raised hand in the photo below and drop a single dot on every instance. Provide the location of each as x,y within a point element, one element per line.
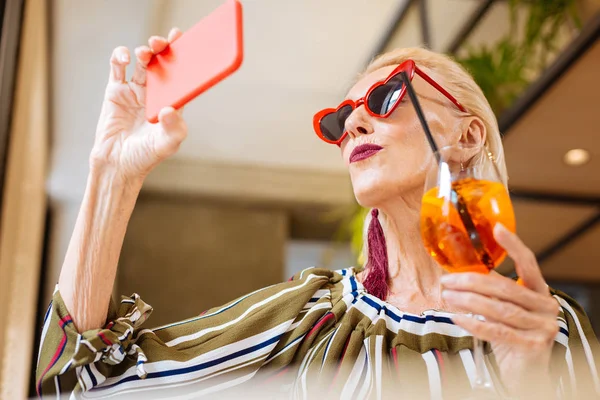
<point>126,143</point>
<point>521,320</point>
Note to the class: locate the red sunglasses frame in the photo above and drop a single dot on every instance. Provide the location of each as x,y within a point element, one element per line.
<point>410,68</point>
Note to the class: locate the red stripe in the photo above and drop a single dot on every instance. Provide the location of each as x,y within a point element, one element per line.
<point>104,339</point>
<point>395,357</point>
<point>319,324</point>
<point>63,322</point>
<point>275,376</point>
<point>440,361</point>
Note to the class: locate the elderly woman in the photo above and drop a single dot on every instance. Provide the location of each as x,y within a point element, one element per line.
<point>348,333</point>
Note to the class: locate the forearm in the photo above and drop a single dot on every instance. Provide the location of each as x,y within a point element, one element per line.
<point>88,273</point>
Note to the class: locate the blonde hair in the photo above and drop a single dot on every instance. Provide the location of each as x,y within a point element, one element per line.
<point>458,82</point>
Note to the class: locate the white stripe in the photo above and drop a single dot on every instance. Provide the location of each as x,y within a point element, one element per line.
<point>85,377</point>
<point>142,332</point>
<point>287,348</point>
<point>168,387</point>
<point>126,333</point>
<point>562,324</point>
<point>322,293</point>
<point>378,364</point>
<point>89,346</point>
<point>367,383</point>
<point>562,339</point>
<point>348,294</point>
<point>304,270</point>
<point>415,328</point>
<point>335,332</point>
<point>197,335</point>
<point>586,345</point>
<point>70,362</point>
<point>352,381</point>
<point>294,325</point>
<point>45,331</point>
<point>569,358</point>
<point>469,364</point>
<point>167,365</point>
<point>319,307</point>
<point>99,377</point>
<point>224,308</point>
<point>433,372</point>
<point>57,387</point>
<point>309,358</point>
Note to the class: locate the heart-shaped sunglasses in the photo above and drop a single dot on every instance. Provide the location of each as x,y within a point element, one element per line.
<point>380,101</point>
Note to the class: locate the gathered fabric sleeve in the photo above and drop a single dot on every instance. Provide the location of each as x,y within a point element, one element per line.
<point>576,353</point>
<point>217,350</point>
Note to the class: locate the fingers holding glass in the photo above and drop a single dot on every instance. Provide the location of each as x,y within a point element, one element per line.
<point>118,64</point>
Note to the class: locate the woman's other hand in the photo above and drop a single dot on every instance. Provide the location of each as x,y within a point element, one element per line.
<point>520,319</point>
<point>126,143</point>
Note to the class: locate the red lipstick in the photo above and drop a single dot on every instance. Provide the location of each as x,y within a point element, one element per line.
<point>364,151</point>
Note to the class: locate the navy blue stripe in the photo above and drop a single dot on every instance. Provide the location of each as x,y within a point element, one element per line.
<point>92,377</point>
<point>354,289</point>
<point>198,367</point>
<point>411,318</point>
<point>60,353</point>
<point>65,344</point>
<point>327,347</point>
<point>290,344</point>
<point>47,313</point>
<point>564,331</point>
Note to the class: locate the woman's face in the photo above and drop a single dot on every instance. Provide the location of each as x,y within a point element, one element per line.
<point>399,169</point>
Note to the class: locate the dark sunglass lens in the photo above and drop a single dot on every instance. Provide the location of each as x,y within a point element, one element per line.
<point>385,97</point>
<point>332,125</point>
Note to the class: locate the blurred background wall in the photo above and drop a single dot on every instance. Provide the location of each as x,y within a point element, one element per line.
<point>253,196</point>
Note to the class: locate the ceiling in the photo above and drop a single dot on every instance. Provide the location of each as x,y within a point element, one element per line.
<point>301,56</point>
<point>565,117</point>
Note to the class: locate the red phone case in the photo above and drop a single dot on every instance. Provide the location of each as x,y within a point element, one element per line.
<point>203,56</point>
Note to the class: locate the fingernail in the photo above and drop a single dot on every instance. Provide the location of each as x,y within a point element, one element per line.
<point>123,58</point>
<point>499,228</point>
<point>169,116</point>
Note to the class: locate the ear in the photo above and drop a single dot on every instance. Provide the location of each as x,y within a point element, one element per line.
<point>474,132</point>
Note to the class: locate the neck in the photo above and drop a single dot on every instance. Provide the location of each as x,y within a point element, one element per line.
<point>414,276</point>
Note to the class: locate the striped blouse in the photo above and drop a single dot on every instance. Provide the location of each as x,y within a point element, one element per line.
<point>318,335</point>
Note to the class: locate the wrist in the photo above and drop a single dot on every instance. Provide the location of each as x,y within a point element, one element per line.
<point>106,176</point>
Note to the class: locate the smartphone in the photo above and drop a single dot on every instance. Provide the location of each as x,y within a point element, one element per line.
<point>202,57</point>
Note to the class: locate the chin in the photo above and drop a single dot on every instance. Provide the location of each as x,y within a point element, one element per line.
<point>372,190</point>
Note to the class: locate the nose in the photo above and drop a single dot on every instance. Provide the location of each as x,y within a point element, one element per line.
<point>358,123</point>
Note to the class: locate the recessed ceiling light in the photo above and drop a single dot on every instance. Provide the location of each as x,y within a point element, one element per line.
<point>576,157</point>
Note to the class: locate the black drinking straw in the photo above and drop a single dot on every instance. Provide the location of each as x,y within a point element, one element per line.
<point>419,111</point>
<point>456,198</point>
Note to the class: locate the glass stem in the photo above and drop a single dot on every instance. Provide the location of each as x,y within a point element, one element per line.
<point>482,381</point>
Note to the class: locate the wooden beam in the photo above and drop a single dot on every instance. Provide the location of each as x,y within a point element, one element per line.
<point>9,49</point>
<point>251,183</point>
<point>24,206</point>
